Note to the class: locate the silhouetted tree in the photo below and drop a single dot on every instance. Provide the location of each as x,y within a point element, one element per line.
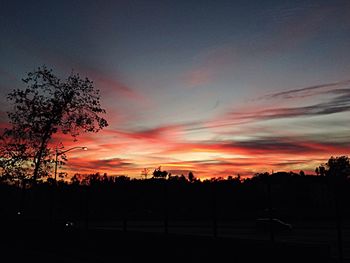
<point>14,157</point>
<point>338,166</point>
<point>317,171</point>
<point>236,179</point>
<point>76,179</point>
<point>121,178</point>
<point>144,173</point>
<point>158,173</point>
<point>338,170</point>
<point>46,106</point>
<point>320,170</point>
<point>191,177</point>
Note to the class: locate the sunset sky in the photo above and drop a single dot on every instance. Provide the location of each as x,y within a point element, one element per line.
<point>215,87</point>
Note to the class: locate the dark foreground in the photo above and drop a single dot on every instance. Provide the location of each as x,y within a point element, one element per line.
<point>43,242</point>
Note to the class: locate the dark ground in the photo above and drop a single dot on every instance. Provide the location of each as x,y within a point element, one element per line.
<point>35,241</point>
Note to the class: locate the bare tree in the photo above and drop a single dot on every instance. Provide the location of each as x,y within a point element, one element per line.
<point>145,173</point>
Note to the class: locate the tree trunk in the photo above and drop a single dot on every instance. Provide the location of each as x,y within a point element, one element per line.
<point>38,160</point>
<point>40,153</point>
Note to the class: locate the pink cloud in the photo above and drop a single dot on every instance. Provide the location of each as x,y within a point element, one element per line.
<point>163,133</point>
<point>113,86</point>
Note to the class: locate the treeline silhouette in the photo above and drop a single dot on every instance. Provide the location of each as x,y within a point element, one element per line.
<point>292,196</point>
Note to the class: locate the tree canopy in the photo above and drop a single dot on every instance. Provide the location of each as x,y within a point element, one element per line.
<point>335,166</point>
<point>47,106</point>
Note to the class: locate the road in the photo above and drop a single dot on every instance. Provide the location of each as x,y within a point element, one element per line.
<point>111,242</point>
<point>323,232</point>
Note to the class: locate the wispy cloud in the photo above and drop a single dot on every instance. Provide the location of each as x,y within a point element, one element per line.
<point>165,132</point>
<point>337,105</point>
<point>335,99</point>
<point>335,87</point>
<point>260,146</point>
<point>111,166</point>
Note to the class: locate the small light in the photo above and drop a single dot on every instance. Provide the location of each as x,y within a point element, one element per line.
<point>19,213</point>
<point>69,224</point>
<point>85,148</point>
